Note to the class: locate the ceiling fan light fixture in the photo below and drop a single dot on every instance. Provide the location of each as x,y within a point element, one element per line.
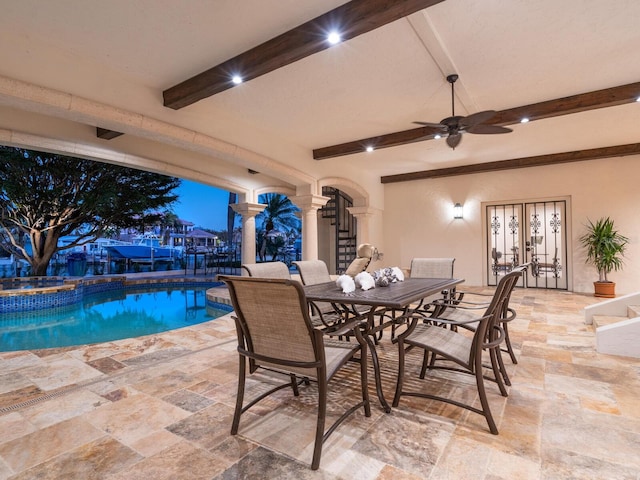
<point>455,125</point>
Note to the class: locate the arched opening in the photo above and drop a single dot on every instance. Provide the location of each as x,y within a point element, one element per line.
<point>337,226</point>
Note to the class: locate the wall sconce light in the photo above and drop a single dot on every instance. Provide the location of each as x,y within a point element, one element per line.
<point>457,211</point>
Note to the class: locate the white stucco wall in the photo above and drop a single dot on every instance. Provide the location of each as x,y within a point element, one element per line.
<point>418,215</point>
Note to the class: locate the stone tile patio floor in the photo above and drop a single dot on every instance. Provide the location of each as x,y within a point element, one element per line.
<point>160,407</point>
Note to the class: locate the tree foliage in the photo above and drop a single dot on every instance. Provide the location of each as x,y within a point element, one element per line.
<point>46,196</point>
<point>279,214</point>
<point>278,218</point>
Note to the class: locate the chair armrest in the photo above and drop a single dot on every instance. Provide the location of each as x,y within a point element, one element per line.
<point>444,304</point>
<point>439,321</point>
<point>478,294</point>
<point>348,327</point>
<point>496,341</point>
<point>511,316</point>
<point>445,321</point>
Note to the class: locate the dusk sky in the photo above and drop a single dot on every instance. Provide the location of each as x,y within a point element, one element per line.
<point>203,205</point>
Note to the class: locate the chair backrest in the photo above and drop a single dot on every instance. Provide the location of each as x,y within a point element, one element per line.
<point>273,325</point>
<point>518,271</point>
<point>313,271</point>
<point>267,270</point>
<point>488,329</point>
<point>503,291</point>
<point>432,267</point>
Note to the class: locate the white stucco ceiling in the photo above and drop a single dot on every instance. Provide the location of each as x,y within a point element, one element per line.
<point>508,53</point>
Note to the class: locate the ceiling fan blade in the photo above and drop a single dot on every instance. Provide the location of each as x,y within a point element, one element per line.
<point>487,129</point>
<point>432,125</point>
<point>476,118</point>
<point>454,139</point>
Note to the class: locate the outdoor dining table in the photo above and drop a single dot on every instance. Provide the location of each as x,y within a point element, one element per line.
<point>397,296</point>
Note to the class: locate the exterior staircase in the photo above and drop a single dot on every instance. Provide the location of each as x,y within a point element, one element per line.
<point>345,224</point>
<point>617,325</point>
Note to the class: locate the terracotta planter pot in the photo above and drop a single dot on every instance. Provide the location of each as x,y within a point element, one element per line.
<point>605,289</point>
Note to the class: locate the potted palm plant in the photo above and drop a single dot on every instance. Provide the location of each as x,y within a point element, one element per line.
<point>605,248</point>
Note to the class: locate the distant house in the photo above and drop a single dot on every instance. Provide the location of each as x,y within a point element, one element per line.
<point>184,226</point>
<point>199,239</point>
<point>186,236</point>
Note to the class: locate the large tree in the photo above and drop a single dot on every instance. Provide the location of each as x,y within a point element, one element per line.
<point>45,196</point>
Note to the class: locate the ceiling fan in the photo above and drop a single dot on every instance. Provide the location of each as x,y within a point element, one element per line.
<point>455,125</point>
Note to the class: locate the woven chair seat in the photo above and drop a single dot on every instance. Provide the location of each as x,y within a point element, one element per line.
<point>336,353</point>
<point>462,315</point>
<point>453,345</point>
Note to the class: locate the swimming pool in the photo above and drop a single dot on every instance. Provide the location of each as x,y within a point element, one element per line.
<point>110,315</point>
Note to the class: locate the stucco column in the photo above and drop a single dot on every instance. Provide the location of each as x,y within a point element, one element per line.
<point>362,214</point>
<point>309,204</point>
<point>248,212</point>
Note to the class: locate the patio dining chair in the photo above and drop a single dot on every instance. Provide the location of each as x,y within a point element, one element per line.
<point>429,268</point>
<point>458,350</point>
<point>267,270</point>
<point>313,272</point>
<point>434,268</point>
<point>475,302</point>
<point>275,334</point>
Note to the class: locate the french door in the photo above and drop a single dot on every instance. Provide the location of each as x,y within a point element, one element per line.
<point>534,233</point>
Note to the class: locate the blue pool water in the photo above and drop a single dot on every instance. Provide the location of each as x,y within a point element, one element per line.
<point>109,316</point>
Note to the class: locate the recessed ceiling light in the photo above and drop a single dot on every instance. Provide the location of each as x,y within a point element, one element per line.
<point>237,79</point>
<point>437,136</point>
<point>369,148</point>
<point>638,99</point>
<point>333,38</point>
<point>524,120</point>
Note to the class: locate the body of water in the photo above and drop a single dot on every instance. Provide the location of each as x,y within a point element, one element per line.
<point>109,316</point>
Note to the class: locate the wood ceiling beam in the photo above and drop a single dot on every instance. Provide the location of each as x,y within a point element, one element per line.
<point>537,161</point>
<point>351,19</point>
<point>608,97</point>
<point>106,134</point>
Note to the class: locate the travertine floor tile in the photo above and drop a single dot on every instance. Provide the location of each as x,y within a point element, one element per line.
<point>160,407</point>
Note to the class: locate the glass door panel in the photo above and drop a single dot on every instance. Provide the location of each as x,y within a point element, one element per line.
<point>504,243</point>
<point>546,244</point>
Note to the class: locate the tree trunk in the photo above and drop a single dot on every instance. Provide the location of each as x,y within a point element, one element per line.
<point>39,268</point>
<point>43,248</point>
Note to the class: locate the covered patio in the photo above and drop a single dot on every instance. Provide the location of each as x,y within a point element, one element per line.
<point>161,407</point>
<point>119,82</point>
